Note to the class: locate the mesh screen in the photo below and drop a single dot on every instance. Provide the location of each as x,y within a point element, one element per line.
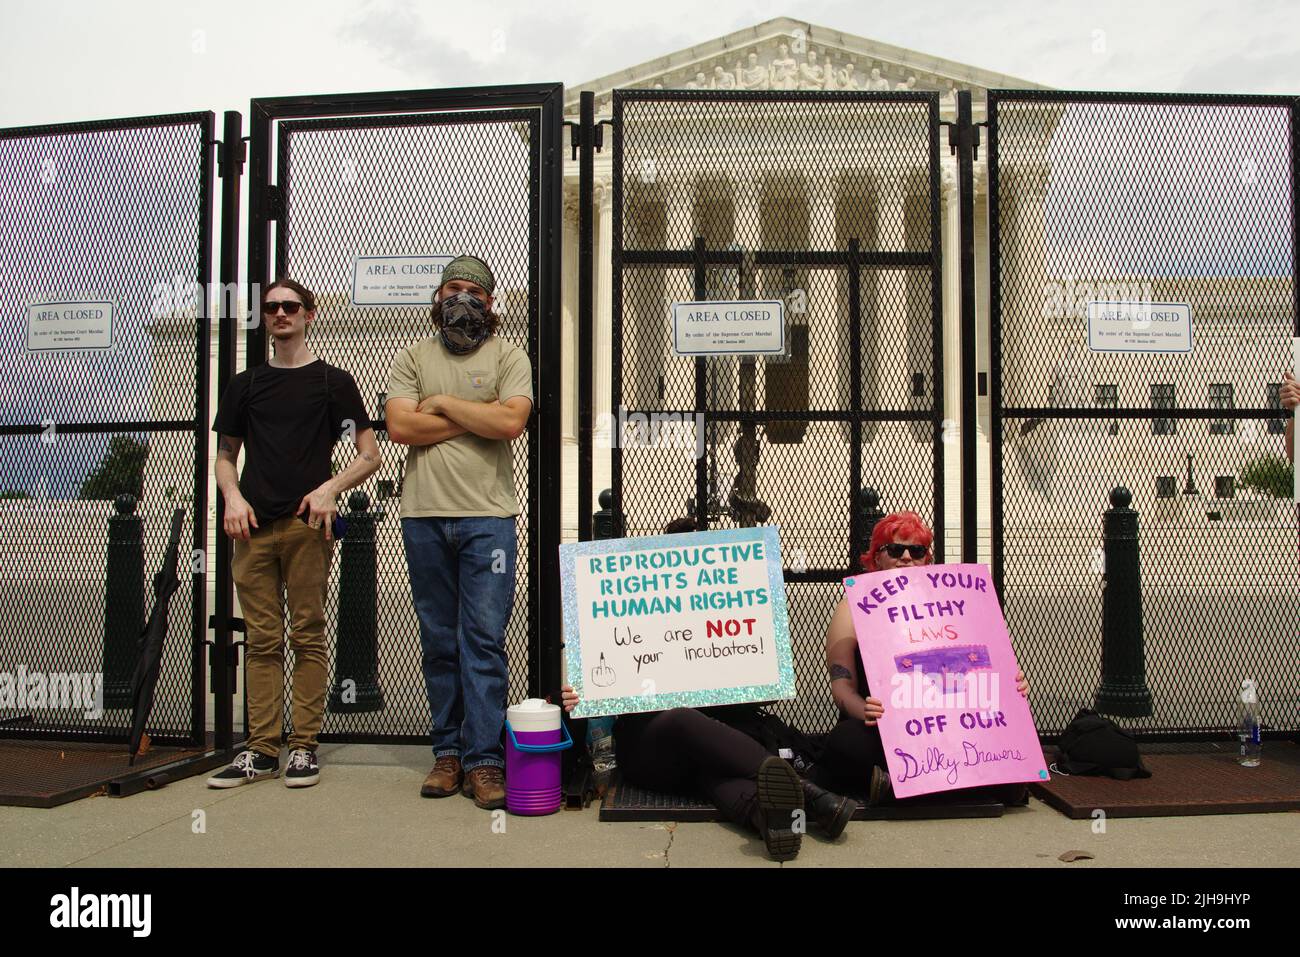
<point>778,185</point>
<point>115,212</point>
<point>1188,203</point>
<point>428,184</point>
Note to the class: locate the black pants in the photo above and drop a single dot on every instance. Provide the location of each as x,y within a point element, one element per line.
<point>852,748</point>
<point>686,752</point>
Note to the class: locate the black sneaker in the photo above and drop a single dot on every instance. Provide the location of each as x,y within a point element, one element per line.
<point>303,770</point>
<point>248,767</point>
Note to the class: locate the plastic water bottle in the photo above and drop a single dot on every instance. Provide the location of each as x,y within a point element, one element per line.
<point>1248,724</point>
<point>600,741</point>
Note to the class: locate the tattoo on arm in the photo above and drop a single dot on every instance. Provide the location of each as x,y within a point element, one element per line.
<point>368,456</point>
<point>224,446</point>
<point>839,671</point>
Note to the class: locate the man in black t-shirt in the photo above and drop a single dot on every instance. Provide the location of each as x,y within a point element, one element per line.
<point>280,514</point>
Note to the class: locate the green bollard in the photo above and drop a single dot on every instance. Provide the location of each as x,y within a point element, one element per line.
<point>356,687</point>
<point>123,601</point>
<point>605,524</point>
<point>1123,690</point>
<point>870,514</point>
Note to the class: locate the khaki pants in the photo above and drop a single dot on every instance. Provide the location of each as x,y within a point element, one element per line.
<point>291,555</point>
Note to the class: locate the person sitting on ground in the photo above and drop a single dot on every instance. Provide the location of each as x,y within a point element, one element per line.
<point>686,751</point>
<point>853,758</point>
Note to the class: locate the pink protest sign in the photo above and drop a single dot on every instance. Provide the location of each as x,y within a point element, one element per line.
<point>937,654</point>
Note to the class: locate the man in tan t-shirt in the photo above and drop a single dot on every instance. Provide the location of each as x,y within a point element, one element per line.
<point>458,399</point>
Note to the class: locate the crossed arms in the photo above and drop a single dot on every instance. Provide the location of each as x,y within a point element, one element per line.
<point>437,418</point>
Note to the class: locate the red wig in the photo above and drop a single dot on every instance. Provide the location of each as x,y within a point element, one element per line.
<point>898,525</point>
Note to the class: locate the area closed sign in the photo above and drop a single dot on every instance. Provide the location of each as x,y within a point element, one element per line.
<point>1139,326</point>
<point>741,327</point>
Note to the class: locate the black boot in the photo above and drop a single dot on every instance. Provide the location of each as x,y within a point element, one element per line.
<point>831,811</point>
<point>780,796</point>
<point>881,790</point>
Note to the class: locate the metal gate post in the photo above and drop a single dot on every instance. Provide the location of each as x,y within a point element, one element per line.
<point>546,479</point>
<point>222,663</point>
<point>586,358</point>
<point>966,143</point>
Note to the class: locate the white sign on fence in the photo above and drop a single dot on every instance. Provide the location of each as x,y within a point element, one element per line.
<point>673,621</point>
<point>397,280</point>
<point>743,327</point>
<point>1139,326</point>
<point>79,325</point>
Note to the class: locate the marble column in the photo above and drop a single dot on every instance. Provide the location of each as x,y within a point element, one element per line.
<point>570,360</point>
<point>918,318</point>
<point>827,316</point>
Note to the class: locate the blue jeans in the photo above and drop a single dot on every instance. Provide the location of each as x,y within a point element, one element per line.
<point>463,583</point>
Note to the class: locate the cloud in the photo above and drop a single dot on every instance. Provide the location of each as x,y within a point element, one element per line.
<point>396,32</point>
<point>1244,73</point>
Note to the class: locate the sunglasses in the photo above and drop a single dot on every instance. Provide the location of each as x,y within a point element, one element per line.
<point>289,306</point>
<point>896,551</point>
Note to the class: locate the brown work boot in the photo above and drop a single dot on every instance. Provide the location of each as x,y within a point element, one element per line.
<point>486,784</point>
<point>445,778</point>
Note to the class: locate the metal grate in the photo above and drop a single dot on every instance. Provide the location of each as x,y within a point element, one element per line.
<point>423,183</point>
<point>1184,200</point>
<point>828,201</point>
<point>117,211</point>
<point>1182,784</point>
<point>47,773</point>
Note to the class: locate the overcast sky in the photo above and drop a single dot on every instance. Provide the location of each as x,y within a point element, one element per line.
<point>63,60</point>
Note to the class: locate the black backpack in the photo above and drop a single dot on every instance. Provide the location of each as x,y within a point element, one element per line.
<point>1093,744</point>
<point>769,730</point>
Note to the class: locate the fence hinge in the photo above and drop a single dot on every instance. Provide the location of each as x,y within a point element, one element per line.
<point>234,624</point>
<point>275,202</point>
<point>230,158</point>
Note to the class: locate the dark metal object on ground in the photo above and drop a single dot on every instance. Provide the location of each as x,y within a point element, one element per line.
<point>149,661</point>
<point>356,672</point>
<point>1207,781</point>
<point>123,600</point>
<point>1123,690</point>
<point>627,802</point>
<point>51,773</point>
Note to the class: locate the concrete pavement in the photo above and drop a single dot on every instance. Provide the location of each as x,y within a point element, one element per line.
<point>367,812</point>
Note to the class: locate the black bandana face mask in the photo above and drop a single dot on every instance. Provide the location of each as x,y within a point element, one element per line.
<point>465,323</point>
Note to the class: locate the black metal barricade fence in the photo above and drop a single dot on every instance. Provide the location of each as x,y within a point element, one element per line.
<point>105,253</point>
<point>1101,206</point>
<point>828,202</point>
<point>426,173</point>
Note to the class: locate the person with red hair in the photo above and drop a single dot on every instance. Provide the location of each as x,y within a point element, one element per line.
<point>853,760</point>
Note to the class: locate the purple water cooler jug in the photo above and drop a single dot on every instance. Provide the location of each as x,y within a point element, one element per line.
<point>535,736</point>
